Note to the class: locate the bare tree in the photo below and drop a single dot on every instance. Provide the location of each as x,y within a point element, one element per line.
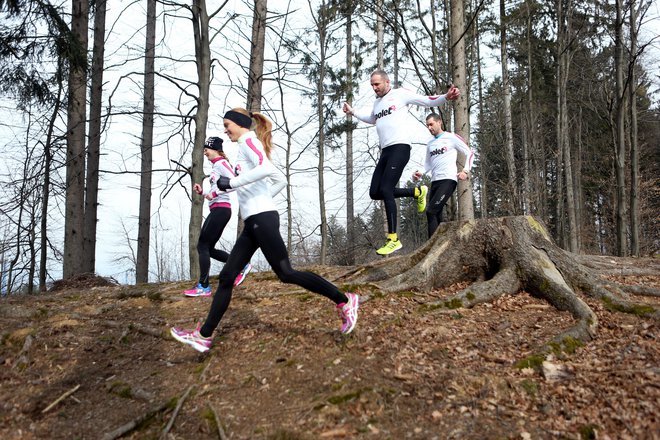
<point>94,147</point>
<point>461,107</point>
<point>75,157</point>
<point>508,118</point>
<point>146,148</point>
<point>257,46</point>
<point>620,139</point>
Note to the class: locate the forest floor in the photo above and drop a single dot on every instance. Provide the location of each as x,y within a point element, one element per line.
<point>97,362</point>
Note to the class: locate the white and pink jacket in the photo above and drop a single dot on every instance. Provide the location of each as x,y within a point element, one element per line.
<point>221,167</point>
<point>257,180</point>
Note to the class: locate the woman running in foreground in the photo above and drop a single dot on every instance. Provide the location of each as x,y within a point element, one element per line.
<point>256,182</point>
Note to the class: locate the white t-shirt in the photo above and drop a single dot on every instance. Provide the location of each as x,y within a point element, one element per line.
<point>389,113</point>
<point>441,154</point>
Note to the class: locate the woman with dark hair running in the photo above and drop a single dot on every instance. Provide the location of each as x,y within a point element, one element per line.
<point>389,113</point>
<point>216,221</point>
<point>441,154</point>
<point>256,182</point>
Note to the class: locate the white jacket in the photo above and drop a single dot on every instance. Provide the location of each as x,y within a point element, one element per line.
<point>257,180</point>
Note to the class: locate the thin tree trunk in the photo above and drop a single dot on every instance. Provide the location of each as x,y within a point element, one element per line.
<point>634,149</point>
<point>255,77</point>
<point>380,35</point>
<point>620,144</point>
<point>461,111</point>
<point>483,187</point>
<point>508,119</point>
<point>563,130</point>
<point>75,155</point>
<point>48,160</point>
<point>94,148</point>
<point>350,201</point>
<point>146,149</point>
<point>200,23</point>
<point>322,28</point>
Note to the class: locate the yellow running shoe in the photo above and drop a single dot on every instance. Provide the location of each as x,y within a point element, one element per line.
<point>389,247</point>
<point>421,199</point>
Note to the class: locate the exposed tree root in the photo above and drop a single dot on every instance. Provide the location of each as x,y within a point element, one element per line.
<point>503,256</point>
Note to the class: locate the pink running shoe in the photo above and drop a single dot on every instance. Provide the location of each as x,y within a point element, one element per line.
<point>198,290</point>
<point>241,276</point>
<point>348,312</point>
<point>192,338</point>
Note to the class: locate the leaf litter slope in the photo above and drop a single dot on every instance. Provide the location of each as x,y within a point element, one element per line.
<point>280,369</point>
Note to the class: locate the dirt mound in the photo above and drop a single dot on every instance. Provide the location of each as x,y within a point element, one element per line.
<point>82,281</point>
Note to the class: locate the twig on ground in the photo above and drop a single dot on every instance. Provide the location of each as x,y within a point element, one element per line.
<point>128,427</point>
<point>218,423</point>
<point>59,399</point>
<point>179,404</point>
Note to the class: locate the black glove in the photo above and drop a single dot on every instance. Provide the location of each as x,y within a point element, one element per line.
<point>223,183</point>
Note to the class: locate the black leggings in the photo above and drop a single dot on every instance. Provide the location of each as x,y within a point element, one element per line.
<point>441,191</point>
<point>209,235</point>
<point>262,231</point>
<point>393,160</point>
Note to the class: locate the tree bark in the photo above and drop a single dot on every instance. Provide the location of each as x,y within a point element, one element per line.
<point>200,21</point>
<point>508,118</point>
<point>461,106</point>
<point>94,148</point>
<point>634,148</point>
<point>75,153</point>
<point>146,149</point>
<point>620,141</point>
<point>350,202</point>
<point>258,41</point>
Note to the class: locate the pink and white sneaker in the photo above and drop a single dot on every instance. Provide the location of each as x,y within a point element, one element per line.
<point>348,312</point>
<point>192,338</point>
<point>198,290</point>
<point>241,276</point>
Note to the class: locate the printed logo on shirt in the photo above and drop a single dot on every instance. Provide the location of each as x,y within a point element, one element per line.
<point>237,169</point>
<point>441,150</point>
<point>385,112</point>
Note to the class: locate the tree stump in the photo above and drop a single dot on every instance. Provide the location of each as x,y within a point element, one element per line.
<point>502,256</point>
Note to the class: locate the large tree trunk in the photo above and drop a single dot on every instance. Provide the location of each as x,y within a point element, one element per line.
<point>75,138</point>
<point>497,257</point>
<point>146,149</point>
<point>94,147</point>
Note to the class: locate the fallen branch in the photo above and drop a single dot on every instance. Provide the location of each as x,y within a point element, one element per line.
<point>179,404</point>
<point>218,423</point>
<point>128,427</point>
<point>59,399</point>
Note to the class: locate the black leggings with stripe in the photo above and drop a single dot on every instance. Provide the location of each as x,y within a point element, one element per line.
<point>393,160</point>
<point>209,235</point>
<point>441,191</point>
<point>262,231</point>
